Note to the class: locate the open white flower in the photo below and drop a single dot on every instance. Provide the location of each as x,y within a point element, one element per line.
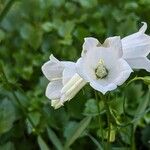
<point>64,84</point>
<point>136,48</point>
<point>102,65</point>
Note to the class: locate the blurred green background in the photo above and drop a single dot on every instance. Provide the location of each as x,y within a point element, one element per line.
<point>31,30</point>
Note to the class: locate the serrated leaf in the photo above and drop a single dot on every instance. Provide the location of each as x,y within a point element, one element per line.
<point>69,129</point>
<point>76,134</point>
<point>54,139</point>
<point>42,144</point>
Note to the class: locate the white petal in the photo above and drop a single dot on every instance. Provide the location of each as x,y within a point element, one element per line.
<point>56,103</point>
<point>110,53</point>
<point>69,71</point>
<point>143,28</point>
<point>115,44</point>
<point>88,44</point>
<point>136,35</point>
<point>53,69</point>
<point>53,59</point>
<point>81,70</point>
<point>70,83</point>
<point>76,87</point>
<point>122,72</point>
<point>139,63</point>
<point>101,88</point>
<point>87,64</point>
<point>135,51</point>
<point>53,89</point>
<point>137,44</point>
<point>117,75</point>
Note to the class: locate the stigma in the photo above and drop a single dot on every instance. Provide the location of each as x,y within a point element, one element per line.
<point>101,71</point>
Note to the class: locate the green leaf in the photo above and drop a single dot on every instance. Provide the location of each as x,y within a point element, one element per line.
<point>104,133</point>
<point>131,5</point>
<point>91,108</point>
<point>121,148</point>
<point>143,104</point>
<point>77,133</point>
<point>32,35</point>
<point>47,26</point>
<point>35,116</point>
<point>42,144</point>
<point>134,93</point>
<point>69,129</point>
<point>126,134</point>
<point>2,35</point>
<point>66,28</point>
<point>116,105</point>
<point>7,146</point>
<point>57,3</point>
<point>146,136</point>
<point>147,118</point>
<point>7,116</point>
<point>54,139</point>
<point>88,3</point>
<point>142,107</point>
<point>95,141</point>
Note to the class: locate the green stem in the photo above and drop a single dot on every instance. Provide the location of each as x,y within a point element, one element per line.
<point>109,127</point>
<point>133,147</point>
<point>136,78</point>
<point>108,114</point>
<point>6,9</point>
<point>99,118</point>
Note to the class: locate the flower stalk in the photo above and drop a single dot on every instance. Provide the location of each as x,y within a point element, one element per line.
<point>99,118</point>
<point>108,114</point>
<point>108,122</point>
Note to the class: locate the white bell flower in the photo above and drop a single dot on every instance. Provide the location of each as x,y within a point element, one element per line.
<point>136,48</point>
<point>102,65</point>
<point>64,84</point>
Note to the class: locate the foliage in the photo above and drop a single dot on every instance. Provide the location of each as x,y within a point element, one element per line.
<point>30,30</point>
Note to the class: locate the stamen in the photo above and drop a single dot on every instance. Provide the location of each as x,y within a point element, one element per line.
<point>101,71</point>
